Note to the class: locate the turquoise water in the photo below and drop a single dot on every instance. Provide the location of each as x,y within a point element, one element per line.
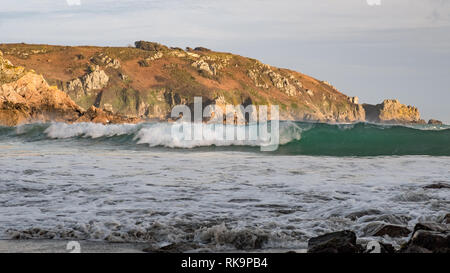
<point>296,138</point>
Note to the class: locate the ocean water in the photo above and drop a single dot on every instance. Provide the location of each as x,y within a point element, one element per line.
<point>136,183</point>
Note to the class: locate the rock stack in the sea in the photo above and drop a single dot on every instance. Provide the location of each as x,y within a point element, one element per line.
<point>392,111</point>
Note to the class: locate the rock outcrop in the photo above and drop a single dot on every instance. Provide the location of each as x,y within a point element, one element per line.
<point>30,99</point>
<point>435,122</point>
<point>392,111</point>
<point>27,97</point>
<point>96,79</point>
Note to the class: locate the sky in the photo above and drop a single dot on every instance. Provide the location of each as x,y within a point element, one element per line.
<point>373,49</point>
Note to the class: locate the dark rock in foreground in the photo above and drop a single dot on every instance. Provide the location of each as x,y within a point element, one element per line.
<point>336,242</point>
<point>428,238</point>
<point>392,231</point>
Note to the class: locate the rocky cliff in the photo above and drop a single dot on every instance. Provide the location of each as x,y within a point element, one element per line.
<point>146,81</point>
<point>26,97</point>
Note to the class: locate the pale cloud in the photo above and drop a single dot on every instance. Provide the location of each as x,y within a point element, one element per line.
<point>73,2</point>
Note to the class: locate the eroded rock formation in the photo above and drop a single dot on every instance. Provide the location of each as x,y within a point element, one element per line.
<point>392,111</point>
<point>27,97</point>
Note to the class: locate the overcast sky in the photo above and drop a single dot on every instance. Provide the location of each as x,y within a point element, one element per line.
<point>399,49</point>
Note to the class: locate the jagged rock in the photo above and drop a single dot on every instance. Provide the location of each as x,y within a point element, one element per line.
<point>392,231</point>
<point>177,53</point>
<point>158,55</point>
<point>435,122</point>
<point>150,46</point>
<point>203,49</point>
<point>282,83</point>
<point>201,65</point>
<point>336,242</point>
<point>354,100</point>
<point>392,111</point>
<point>255,77</point>
<point>97,79</point>
<point>30,98</point>
<point>9,72</point>
<point>94,80</point>
<point>194,55</point>
<point>105,60</point>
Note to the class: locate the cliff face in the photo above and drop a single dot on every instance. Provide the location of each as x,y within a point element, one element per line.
<point>26,97</point>
<point>146,81</point>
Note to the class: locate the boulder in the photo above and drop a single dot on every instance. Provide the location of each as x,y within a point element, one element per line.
<point>428,237</point>
<point>435,122</point>
<point>150,46</point>
<point>431,226</point>
<point>392,231</point>
<point>432,240</point>
<point>336,242</point>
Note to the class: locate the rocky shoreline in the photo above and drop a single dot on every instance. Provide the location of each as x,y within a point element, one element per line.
<point>427,237</point>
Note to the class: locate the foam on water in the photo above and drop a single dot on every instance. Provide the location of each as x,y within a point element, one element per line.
<point>220,200</point>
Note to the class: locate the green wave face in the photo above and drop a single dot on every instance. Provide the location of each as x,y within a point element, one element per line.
<point>315,139</point>
<point>370,140</point>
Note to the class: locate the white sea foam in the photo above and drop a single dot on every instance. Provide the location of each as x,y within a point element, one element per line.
<point>91,130</point>
<point>171,134</point>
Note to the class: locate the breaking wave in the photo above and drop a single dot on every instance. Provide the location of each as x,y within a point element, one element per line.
<point>296,138</point>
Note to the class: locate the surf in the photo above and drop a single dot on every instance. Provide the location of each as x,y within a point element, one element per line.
<point>296,138</point>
